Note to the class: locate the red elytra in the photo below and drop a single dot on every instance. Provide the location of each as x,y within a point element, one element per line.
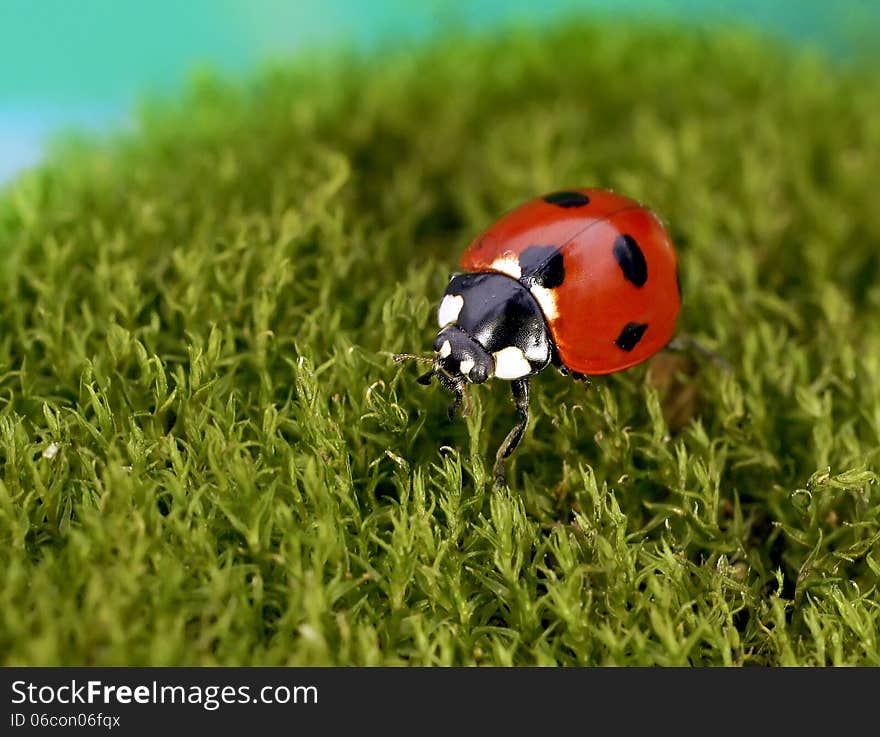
<point>618,302</point>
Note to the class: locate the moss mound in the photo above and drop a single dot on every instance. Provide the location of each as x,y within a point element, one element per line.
<point>208,457</point>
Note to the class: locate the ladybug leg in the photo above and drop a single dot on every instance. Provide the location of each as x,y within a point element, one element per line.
<point>557,361</point>
<point>460,400</point>
<point>566,371</point>
<point>520,389</point>
<point>457,403</point>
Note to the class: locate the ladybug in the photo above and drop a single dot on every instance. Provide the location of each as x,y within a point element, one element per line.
<point>585,280</point>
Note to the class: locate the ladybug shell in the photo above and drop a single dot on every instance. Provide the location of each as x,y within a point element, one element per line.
<point>600,265</point>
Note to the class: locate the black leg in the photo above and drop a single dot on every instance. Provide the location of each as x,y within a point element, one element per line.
<point>582,378</point>
<point>566,371</point>
<point>460,398</point>
<point>520,389</point>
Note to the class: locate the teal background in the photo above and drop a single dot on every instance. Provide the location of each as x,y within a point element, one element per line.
<point>83,63</point>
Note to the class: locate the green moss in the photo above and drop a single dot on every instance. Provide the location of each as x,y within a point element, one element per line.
<point>198,318</point>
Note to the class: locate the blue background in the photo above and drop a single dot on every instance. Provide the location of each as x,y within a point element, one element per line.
<point>84,63</point>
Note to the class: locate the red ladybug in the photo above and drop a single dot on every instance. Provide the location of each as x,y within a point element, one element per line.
<point>584,279</point>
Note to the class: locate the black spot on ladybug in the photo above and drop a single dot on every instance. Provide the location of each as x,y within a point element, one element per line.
<point>567,199</point>
<point>542,265</point>
<point>631,259</point>
<point>630,335</point>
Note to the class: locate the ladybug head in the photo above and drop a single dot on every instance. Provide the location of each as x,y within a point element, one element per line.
<point>459,357</point>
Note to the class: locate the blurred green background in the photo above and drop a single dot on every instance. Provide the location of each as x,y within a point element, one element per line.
<point>84,64</point>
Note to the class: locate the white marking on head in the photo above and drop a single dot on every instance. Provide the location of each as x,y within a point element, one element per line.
<point>466,365</point>
<point>546,298</point>
<point>511,363</point>
<point>508,264</point>
<point>445,349</point>
<point>450,306</point>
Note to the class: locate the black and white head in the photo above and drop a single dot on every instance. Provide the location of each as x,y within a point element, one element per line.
<point>490,326</point>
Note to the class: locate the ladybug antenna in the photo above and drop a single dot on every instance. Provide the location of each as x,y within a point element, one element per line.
<point>398,357</point>
<point>425,378</point>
